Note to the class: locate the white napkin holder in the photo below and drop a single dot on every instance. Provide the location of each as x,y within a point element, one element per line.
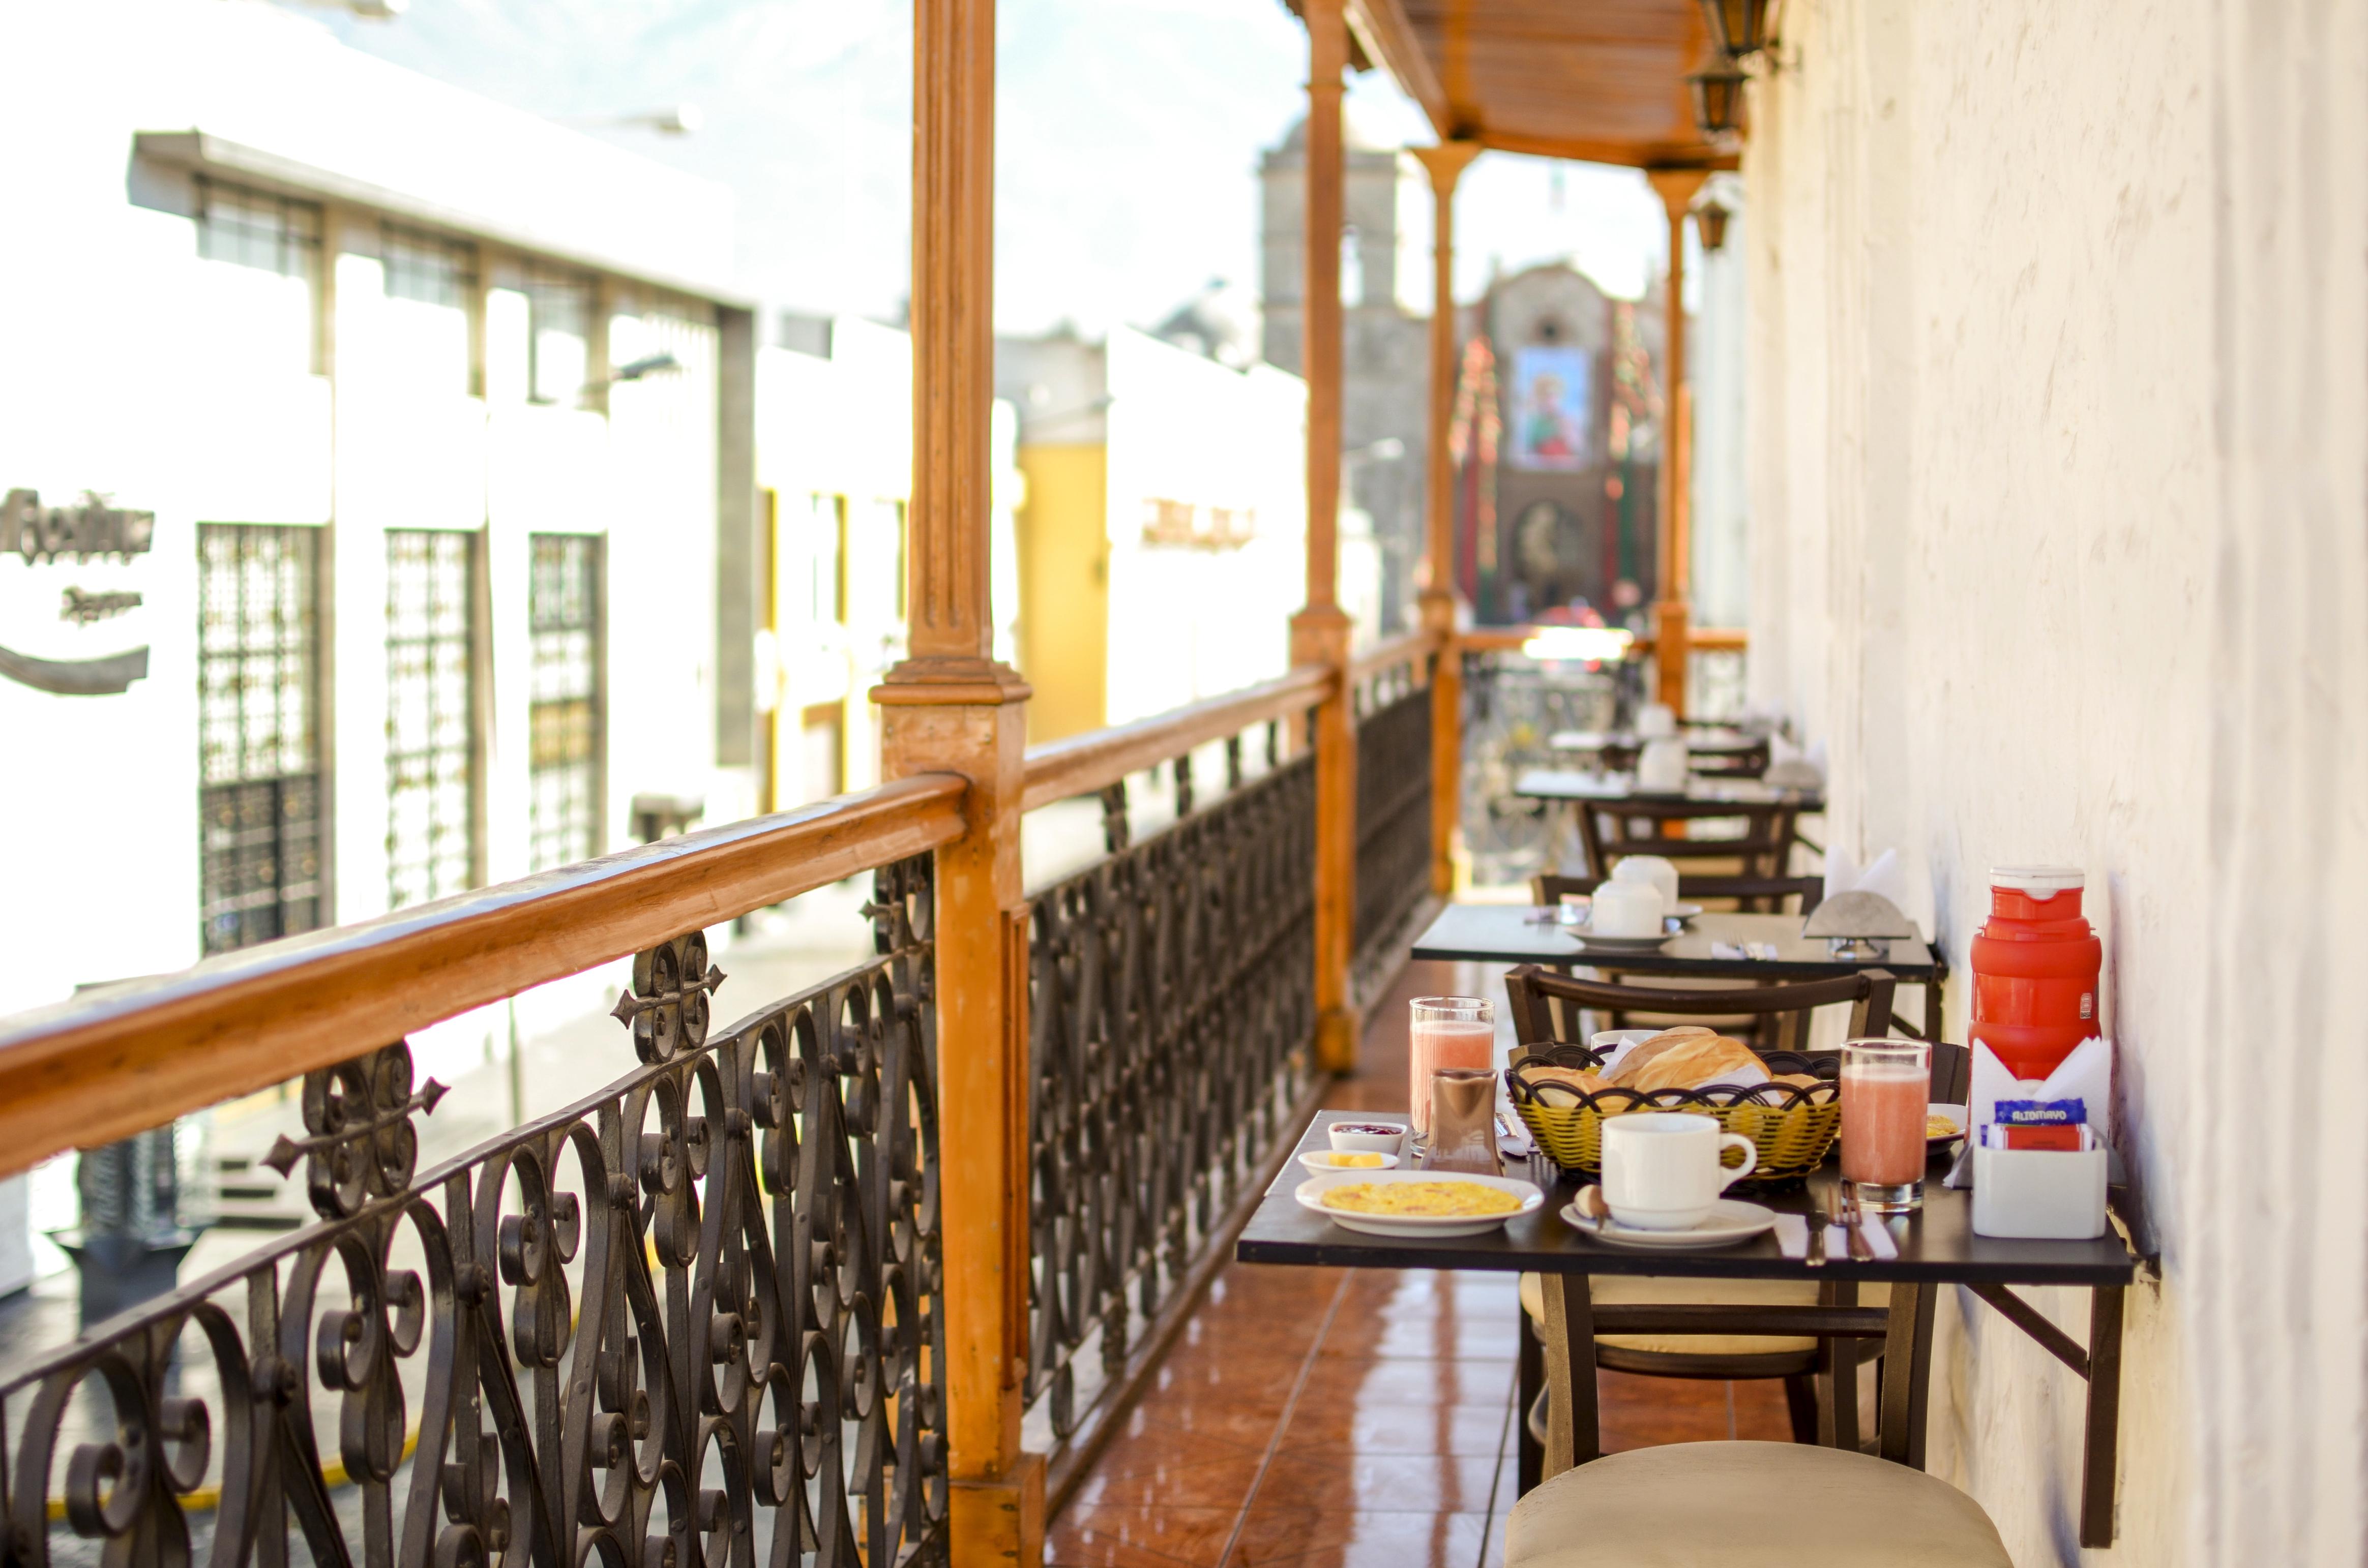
<point>2039,1194</point>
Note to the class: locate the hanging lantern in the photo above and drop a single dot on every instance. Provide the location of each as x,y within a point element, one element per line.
<point>1718,99</point>
<point>1711,218</point>
<point>1737,27</point>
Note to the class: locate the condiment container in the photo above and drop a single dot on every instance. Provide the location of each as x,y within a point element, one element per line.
<point>2035,966</point>
<point>1663,765</point>
<point>2039,1194</point>
<point>1625,909</point>
<point>1653,870</point>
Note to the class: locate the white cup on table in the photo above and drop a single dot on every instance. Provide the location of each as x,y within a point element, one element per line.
<point>1625,909</point>
<point>1661,1170</point>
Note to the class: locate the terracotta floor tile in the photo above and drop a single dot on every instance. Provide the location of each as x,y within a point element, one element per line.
<point>1424,1336</point>
<point>1397,1484</point>
<point>1178,1484</point>
<point>1349,1379</point>
<point>1261,1286</point>
<point>1277,1532</point>
<point>1139,1537</point>
<point>1419,1429</point>
<point>1289,1333</point>
<point>1151,1443</point>
<point>1761,1412</point>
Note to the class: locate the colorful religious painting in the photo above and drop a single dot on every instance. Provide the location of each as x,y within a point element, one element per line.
<point>1551,388</point>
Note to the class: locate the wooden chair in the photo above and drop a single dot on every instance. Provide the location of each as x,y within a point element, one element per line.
<point>1607,832</point>
<point>1749,896</point>
<point>1820,1377</point>
<point>1750,762</point>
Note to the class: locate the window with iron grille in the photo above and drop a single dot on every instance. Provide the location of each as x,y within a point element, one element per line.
<point>258,739</point>
<point>559,334</point>
<point>431,717</point>
<point>426,267</point>
<point>564,711</point>
<point>276,233</point>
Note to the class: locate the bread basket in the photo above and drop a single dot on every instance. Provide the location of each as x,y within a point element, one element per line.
<point>1790,1126</point>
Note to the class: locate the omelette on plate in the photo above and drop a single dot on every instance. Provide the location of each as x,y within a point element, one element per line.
<point>1426,1199</point>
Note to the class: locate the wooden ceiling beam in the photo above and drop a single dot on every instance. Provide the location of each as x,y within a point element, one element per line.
<point>1381,25</point>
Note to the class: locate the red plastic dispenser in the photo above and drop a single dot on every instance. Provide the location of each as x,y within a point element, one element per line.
<point>2035,967</point>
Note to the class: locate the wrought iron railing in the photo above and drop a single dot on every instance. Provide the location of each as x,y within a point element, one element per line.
<point>1394,780</point>
<point>1171,1011</point>
<point>658,1328</point>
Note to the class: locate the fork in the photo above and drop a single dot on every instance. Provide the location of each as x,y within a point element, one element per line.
<point>1861,1249</point>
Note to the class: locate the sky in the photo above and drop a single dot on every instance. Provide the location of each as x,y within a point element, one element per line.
<point>1127,141</point>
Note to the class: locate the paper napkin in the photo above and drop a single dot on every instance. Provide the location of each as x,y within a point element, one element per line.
<point>1792,1235</point>
<point>2085,1075</point>
<point>1884,875</point>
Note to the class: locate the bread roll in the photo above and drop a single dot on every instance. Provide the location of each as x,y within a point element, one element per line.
<point>1645,1051</point>
<point>1691,1064</point>
<point>1586,1080</point>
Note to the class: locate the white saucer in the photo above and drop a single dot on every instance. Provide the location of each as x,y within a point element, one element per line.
<point>1730,1220</point>
<point>1318,1162</point>
<point>1418,1227</point>
<point>1619,944</point>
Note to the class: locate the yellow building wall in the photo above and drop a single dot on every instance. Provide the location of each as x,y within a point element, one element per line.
<point>1065,589</point>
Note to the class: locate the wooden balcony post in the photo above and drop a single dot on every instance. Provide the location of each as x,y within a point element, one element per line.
<point>1673,567</point>
<point>1320,633</point>
<point>949,707</point>
<point>1445,163</point>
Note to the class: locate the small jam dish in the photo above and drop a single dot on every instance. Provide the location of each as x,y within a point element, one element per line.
<point>1331,1161</point>
<point>1368,1137</point>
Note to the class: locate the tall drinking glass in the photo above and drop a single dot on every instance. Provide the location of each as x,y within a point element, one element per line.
<point>1886,1086</point>
<point>1447,1031</point>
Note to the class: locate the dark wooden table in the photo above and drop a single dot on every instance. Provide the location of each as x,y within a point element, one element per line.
<point>1507,933</point>
<point>1611,789</point>
<point>1937,1248</point>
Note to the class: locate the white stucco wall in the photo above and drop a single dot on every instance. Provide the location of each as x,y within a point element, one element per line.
<point>2059,429</point>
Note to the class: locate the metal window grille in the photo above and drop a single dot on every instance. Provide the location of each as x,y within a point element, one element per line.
<point>428,268</point>
<point>431,721</point>
<point>252,228</point>
<point>564,709</point>
<point>559,327</point>
<point>259,779</point>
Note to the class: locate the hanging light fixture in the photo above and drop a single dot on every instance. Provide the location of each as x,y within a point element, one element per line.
<point>1737,27</point>
<point>1718,98</point>
<point>1711,218</point>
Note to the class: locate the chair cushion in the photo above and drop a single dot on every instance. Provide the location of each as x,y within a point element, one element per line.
<point>1632,1289</point>
<point>1750,1506</point>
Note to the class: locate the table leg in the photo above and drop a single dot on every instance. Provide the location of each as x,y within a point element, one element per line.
<point>1573,1435</point>
<point>2101,1452</point>
<point>1837,1374</point>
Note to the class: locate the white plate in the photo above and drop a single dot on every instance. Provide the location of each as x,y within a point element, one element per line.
<point>1730,1220</point>
<point>1961,1115</point>
<point>1319,1161</point>
<point>1683,912</point>
<point>1418,1227</point>
<point>1594,943</point>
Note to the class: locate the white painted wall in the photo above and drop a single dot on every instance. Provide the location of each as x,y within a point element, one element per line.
<point>1186,621</point>
<point>2060,473</point>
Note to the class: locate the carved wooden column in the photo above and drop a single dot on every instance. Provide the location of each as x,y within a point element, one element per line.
<point>1319,633</point>
<point>1445,163</point>
<point>1672,631</point>
<point>949,707</point>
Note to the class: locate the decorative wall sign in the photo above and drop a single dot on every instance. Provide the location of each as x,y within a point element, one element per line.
<point>76,677</point>
<point>89,528</point>
<point>81,607</point>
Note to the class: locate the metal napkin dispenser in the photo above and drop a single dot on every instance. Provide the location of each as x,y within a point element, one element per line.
<point>1856,925</point>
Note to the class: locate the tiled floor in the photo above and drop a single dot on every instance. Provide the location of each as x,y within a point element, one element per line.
<point>1350,1418</point>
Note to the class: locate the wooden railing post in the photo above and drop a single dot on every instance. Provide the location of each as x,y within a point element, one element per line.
<point>1320,633</point>
<point>1671,566</point>
<point>1445,163</point>
<point>949,707</point>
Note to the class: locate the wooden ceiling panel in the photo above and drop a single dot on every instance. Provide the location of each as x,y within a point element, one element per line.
<point>1603,80</point>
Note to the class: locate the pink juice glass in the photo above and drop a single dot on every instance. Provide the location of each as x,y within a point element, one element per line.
<point>1886,1088</point>
<point>1447,1031</point>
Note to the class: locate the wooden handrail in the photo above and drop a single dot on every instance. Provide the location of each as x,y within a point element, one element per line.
<point>1390,652</point>
<point>1082,763</point>
<point>123,1058</point>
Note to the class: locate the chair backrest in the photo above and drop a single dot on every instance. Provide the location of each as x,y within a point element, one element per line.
<point>1750,762</point>
<point>1749,896</point>
<point>1545,1006</point>
<point>1645,827</point>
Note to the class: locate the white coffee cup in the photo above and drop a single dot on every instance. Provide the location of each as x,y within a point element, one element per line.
<point>1625,909</point>
<point>1655,872</point>
<point>1661,1170</point>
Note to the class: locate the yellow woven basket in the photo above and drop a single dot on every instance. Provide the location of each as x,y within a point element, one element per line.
<point>1791,1127</point>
